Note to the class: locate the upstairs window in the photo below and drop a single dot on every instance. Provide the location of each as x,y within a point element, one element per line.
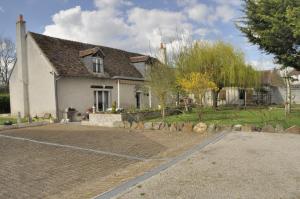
<point>98,65</point>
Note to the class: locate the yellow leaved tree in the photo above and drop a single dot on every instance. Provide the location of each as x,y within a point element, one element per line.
<point>197,84</point>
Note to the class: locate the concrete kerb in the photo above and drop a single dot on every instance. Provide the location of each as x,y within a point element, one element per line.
<point>131,183</point>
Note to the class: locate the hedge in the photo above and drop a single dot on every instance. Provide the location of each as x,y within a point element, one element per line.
<point>4,103</point>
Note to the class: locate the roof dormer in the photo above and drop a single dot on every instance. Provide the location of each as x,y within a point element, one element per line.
<point>93,59</point>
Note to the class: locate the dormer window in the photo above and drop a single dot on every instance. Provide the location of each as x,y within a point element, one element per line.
<point>98,65</point>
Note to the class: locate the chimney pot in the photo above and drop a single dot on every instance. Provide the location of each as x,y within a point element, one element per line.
<point>21,19</point>
<point>161,45</point>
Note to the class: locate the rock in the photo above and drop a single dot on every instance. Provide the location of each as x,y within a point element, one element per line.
<point>127,124</point>
<point>293,129</point>
<point>173,127</point>
<point>148,126</point>
<point>134,125</point>
<point>162,125</point>
<point>118,124</point>
<point>248,128</point>
<point>156,125</point>
<point>179,126</point>
<point>47,115</point>
<point>221,128</point>
<point>211,128</point>
<point>187,127</point>
<point>140,126</point>
<point>279,128</point>
<point>268,128</point>
<point>237,127</point>
<point>165,127</point>
<point>200,128</point>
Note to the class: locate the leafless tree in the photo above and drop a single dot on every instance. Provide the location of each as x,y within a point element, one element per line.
<point>7,59</point>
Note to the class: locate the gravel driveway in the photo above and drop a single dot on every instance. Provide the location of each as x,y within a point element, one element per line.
<point>241,165</point>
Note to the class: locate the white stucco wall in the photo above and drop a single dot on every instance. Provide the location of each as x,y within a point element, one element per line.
<point>76,92</point>
<point>15,90</point>
<point>41,84</point>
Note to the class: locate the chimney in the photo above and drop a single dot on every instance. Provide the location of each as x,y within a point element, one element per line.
<point>22,68</point>
<point>163,53</point>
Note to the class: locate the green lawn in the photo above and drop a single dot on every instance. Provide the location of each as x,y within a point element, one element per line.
<point>232,116</point>
<point>3,119</point>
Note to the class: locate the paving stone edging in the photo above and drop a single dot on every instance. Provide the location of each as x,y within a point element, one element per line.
<point>23,125</point>
<point>203,127</point>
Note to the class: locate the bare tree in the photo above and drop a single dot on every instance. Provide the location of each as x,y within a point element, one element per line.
<point>7,59</point>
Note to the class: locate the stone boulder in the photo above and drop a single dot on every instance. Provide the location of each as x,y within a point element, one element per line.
<point>156,125</point>
<point>127,124</point>
<point>200,128</point>
<point>211,128</point>
<point>134,125</point>
<point>237,127</point>
<point>173,127</point>
<point>140,126</point>
<point>179,126</point>
<point>148,125</point>
<point>165,127</point>
<point>293,129</point>
<point>248,128</point>
<point>268,128</point>
<point>187,127</point>
<point>118,124</point>
<point>279,128</point>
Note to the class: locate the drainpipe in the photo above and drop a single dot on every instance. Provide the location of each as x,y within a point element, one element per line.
<point>118,94</point>
<point>150,98</point>
<point>56,78</point>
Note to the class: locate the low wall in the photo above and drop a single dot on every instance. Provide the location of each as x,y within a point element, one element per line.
<point>106,119</point>
<point>98,119</point>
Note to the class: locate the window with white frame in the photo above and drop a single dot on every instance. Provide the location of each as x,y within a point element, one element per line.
<point>98,65</point>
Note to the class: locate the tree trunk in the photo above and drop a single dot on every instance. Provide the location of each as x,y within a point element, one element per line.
<point>215,98</point>
<point>245,98</point>
<point>288,96</point>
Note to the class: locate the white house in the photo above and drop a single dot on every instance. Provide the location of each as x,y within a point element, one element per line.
<point>53,74</point>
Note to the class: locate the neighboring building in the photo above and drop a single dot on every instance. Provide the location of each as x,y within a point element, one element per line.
<point>53,74</point>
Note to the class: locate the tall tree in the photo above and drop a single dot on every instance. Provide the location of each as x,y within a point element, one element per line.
<point>274,25</point>
<point>161,80</point>
<point>7,59</point>
<point>220,61</point>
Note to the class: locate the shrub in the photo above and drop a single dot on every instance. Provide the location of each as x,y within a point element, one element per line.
<point>4,103</point>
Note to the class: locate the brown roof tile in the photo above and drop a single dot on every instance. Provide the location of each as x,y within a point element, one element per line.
<point>64,56</point>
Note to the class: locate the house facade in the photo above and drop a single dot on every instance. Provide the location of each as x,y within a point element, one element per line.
<point>53,74</point>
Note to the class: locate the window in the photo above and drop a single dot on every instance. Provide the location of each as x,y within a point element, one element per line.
<point>102,100</point>
<point>98,65</point>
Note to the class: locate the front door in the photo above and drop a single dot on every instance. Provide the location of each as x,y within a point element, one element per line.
<point>101,100</point>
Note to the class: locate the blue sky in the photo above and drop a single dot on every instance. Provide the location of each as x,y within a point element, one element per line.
<point>136,25</point>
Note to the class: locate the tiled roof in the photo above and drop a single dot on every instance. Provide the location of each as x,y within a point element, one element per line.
<point>64,55</point>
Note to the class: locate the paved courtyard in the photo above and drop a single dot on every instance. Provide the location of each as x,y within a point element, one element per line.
<point>241,165</point>
<point>72,161</point>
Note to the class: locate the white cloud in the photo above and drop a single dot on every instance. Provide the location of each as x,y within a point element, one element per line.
<point>206,31</point>
<point>136,29</point>
<point>202,13</point>
<point>1,9</point>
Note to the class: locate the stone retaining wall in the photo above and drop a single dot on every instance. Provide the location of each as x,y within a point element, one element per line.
<point>23,125</point>
<point>202,127</point>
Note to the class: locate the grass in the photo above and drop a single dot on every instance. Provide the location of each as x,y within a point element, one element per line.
<point>231,116</point>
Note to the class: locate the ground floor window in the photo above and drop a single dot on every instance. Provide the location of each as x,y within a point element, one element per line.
<point>102,100</point>
<point>138,100</point>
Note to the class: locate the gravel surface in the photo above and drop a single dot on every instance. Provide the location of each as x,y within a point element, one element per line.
<point>241,165</point>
